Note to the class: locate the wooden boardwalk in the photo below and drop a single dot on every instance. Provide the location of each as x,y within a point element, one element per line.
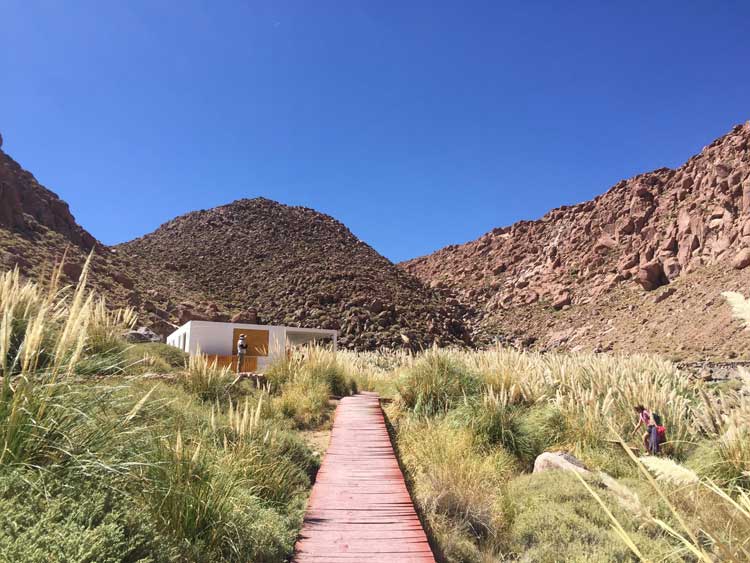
<point>360,509</point>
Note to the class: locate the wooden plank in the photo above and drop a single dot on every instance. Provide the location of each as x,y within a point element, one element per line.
<point>360,508</point>
<point>249,363</point>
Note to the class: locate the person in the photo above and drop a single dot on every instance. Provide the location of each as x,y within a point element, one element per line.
<point>660,431</point>
<point>646,419</point>
<point>241,351</point>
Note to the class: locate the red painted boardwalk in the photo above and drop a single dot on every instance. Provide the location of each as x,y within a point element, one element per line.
<point>360,509</point>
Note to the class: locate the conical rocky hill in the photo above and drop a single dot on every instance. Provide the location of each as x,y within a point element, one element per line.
<point>250,259</point>
<point>291,265</point>
<point>638,268</point>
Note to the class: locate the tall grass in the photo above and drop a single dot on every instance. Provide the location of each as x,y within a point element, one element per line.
<point>304,380</point>
<point>191,493</point>
<point>204,379</point>
<point>435,382</point>
<point>44,335</point>
<point>524,403</point>
<point>458,491</point>
<point>316,363</point>
<point>223,487</point>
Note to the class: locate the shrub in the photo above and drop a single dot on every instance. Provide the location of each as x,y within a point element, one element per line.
<point>202,378</point>
<point>283,370</point>
<point>723,419</point>
<point>153,357</point>
<point>106,328</point>
<point>313,363</point>
<point>53,518</point>
<point>554,518</point>
<point>436,382</point>
<point>53,423</point>
<point>190,494</point>
<point>305,401</point>
<point>455,484</point>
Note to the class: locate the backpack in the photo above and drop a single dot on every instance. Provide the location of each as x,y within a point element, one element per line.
<point>657,418</point>
<point>661,434</point>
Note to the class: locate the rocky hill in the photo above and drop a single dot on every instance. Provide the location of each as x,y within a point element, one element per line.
<point>292,266</point>
<point>252,259</point>
<point>638,268</point>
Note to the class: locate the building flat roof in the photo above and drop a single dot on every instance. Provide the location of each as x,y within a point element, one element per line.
<point>293,329</point>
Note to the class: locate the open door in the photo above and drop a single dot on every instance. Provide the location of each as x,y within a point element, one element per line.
<point>257,341</point>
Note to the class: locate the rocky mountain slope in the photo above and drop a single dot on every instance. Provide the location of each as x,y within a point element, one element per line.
<point>37,229</point>
<point>638,268</point>
<point>252,259</point>
<point>292,265</point>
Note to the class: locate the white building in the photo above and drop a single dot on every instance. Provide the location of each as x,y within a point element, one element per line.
<point>265,343</point>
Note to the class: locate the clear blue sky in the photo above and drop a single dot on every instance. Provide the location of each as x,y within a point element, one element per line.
<point>416,123</point>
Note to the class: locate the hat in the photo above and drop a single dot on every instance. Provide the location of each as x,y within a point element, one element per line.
<point>242,336</point>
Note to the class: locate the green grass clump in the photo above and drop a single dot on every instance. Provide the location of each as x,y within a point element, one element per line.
<point>457,486</point>
<point>204,379</point>
<point>314,363</point>
<point>153,357</point>
<point>51,518</point>
<point>436,382</point>
<point>554,518</point>
<point>305,401</point>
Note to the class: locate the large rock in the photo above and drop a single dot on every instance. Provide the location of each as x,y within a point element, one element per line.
<point>25,205</point>
<point>562,299</point>
<point>741,259</point>
<point>551,461</point>
<point>141,335</point>
<point>560,461</point>
<point>249,317</point>
<point>651,275</point>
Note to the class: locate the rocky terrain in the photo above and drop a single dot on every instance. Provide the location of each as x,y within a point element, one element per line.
<point>37,229</point>
<point>640,267</point>
<point>286,265</point>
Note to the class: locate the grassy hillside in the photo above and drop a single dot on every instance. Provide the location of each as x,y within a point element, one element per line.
<point>469,425</point>
<point>121,453</point>
<point>192,466</point>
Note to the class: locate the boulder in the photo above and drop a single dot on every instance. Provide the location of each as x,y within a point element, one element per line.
<point>142,334</point>
<point>604,243</point>
<point>72,270</point>
<point>249,317</point>
<point>671,267</point>
<point>551,461</point>
<point>661,296</point>
<point>561,300</point>
<point>123,280</point>
<point>651,275</point>
<point>560,461</point>
<point>741,259</point>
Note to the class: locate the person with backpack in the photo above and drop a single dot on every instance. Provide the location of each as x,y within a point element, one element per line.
<point>658,434</point>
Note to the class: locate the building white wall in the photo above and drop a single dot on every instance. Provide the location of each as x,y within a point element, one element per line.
<point>180,338</point>
<point>216,338</point>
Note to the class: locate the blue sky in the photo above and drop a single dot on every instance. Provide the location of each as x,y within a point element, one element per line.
<point>417,124</point>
